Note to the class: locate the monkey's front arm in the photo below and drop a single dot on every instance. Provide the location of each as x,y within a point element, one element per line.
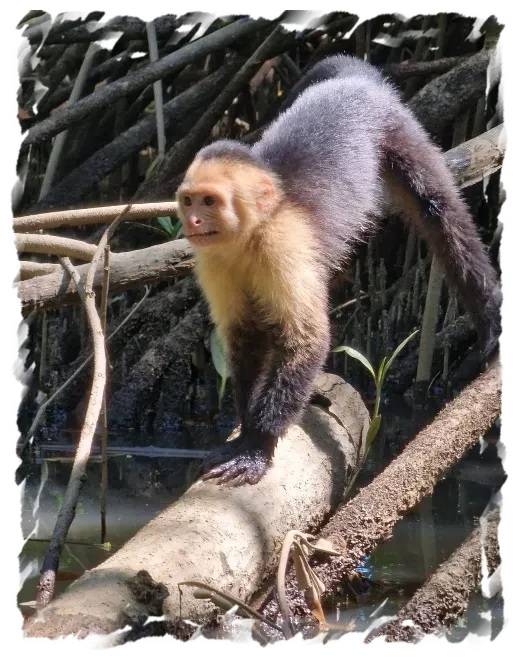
<point>271,390</point>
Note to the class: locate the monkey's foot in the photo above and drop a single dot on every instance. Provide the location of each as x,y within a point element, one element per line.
<point>235,461</point>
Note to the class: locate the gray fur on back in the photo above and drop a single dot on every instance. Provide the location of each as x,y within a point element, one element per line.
<point>340,123</point>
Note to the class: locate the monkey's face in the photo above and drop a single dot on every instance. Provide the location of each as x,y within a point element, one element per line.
<point>207,214</point>
<point>222,203</point>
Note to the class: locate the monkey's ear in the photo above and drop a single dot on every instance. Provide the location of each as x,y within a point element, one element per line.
<point>267,197</point>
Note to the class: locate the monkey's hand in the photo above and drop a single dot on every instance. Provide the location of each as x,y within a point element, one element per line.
<point>240,460</point>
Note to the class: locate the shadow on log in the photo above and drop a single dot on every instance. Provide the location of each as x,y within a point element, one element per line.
<point>228,538</point>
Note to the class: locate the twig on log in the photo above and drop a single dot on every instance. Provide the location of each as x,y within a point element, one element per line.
<point>445,595</point>
<point>166,66</point>
<point>227,537</point>
<point>64,247</point>
<point>368,519</point>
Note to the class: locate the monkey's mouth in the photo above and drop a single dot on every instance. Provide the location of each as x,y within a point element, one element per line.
<point>201,237</point>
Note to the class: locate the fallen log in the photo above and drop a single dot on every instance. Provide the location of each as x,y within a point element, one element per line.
<point>368,519</point>
<point>228,538</point>
<point>445,595</point>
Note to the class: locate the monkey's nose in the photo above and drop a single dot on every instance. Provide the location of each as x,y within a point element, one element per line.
<point>193,222</point>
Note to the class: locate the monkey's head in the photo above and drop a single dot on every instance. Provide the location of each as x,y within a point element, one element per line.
<point>224,199</point>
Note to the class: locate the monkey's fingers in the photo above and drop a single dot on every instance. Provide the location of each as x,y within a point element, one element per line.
<point>220,455</point>
<point>248,466</point>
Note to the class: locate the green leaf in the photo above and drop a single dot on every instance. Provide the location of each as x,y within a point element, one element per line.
<point>380,372</point>
<point>178,229</point>
<point>397,350</point>
<point>358,356</point>
<point>218,358</point>
<point>373,430</point>
<point>166,224</point>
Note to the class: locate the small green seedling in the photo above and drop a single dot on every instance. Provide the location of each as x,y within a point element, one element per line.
<point>378,378</point>
<point>170,229</point>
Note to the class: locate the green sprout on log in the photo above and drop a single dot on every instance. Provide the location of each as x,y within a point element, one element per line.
<point>378,378</point>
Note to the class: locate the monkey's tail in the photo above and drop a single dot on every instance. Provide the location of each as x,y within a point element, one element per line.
<point>448,227</point>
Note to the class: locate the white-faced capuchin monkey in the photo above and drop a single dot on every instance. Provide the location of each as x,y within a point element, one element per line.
<point>271,223</point>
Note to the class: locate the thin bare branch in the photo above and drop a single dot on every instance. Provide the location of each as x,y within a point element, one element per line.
<point>45,588</point>
<point>92,216</point>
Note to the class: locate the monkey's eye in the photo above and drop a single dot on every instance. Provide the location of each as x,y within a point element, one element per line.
<point>187,200</point>
<point>209,200</point>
